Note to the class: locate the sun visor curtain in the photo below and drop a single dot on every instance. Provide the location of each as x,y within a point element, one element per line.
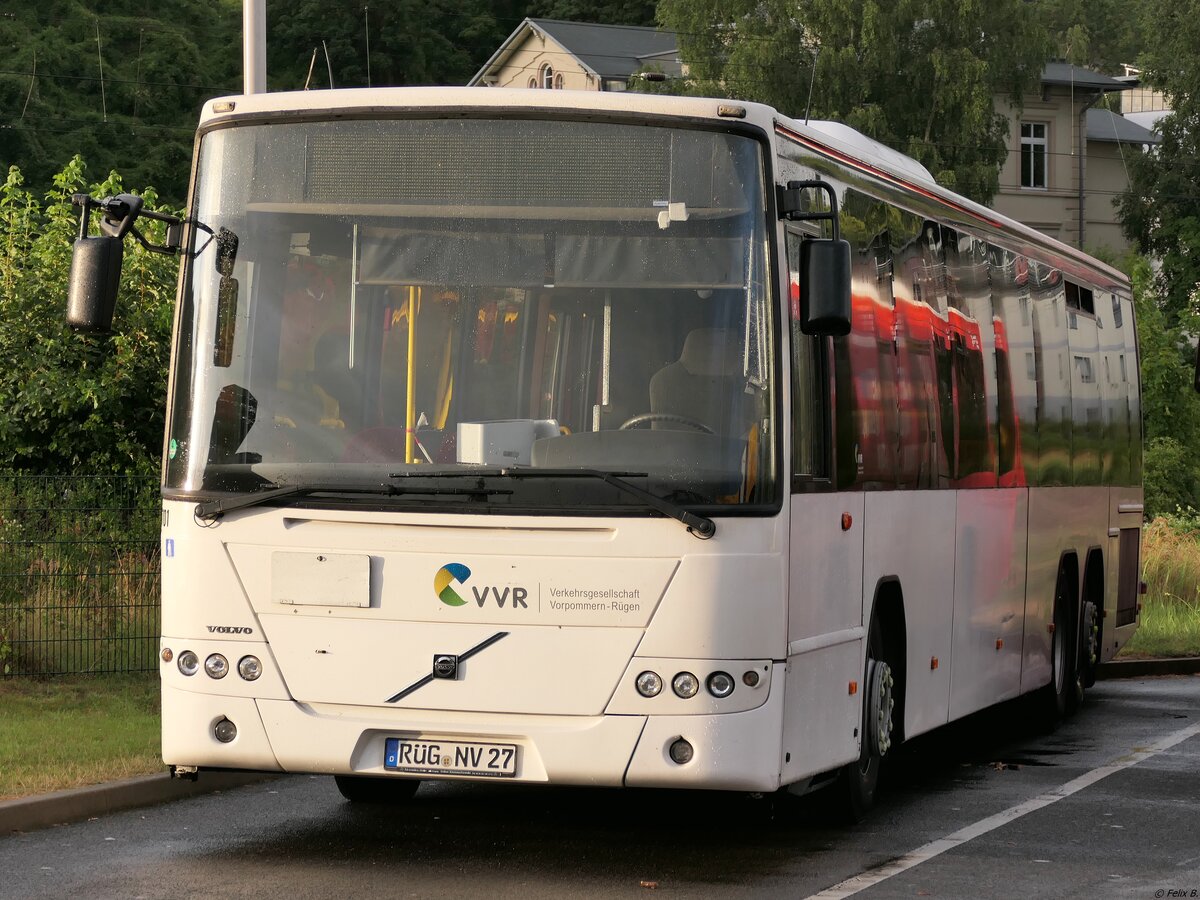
<point>567,260</point>
<point>470,163</point>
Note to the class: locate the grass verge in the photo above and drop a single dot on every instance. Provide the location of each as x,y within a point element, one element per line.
<point>77,730</point>
<point>1170,623</point>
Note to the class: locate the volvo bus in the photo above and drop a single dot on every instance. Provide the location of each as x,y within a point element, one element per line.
<point>596,439</point>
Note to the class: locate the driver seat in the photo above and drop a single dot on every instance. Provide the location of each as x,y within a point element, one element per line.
<point>704,384</point>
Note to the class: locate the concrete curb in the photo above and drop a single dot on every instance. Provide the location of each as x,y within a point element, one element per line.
<point>1137,668</point>
<point>78,804</point>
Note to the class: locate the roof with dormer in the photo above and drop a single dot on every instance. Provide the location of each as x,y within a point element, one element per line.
<point>606,51</point>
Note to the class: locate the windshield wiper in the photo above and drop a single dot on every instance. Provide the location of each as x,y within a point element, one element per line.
<point>212,510</point>
<point>698,525</point>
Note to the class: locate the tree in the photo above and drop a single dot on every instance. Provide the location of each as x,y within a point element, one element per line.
<point>1161,210</point>
<point>120,82</point>
<point>602,12</point>
<point>1098,34</point>
<point>411,42</point>
<point>1170,406</point>
<point>919,76</point>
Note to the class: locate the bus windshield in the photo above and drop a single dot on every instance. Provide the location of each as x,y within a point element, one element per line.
<point>371,299</point>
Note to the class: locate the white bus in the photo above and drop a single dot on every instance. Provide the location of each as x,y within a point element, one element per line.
<point>602,439</point>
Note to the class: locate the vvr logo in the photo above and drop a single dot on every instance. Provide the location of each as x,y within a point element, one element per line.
<point>456,573</point>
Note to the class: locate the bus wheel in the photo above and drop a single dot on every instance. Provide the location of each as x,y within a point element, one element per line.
<point>1055,699</point>
<point>365,789</point>
<point>1089,644</point>
<point>859,780</point>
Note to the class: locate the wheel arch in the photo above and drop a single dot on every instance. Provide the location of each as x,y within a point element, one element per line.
<point>887,609</point>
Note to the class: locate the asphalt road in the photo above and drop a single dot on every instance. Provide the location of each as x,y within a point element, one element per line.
<point>1106,806</point>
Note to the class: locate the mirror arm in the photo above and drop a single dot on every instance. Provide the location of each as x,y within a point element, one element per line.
<point>120,214</point>
<point>791,204</point>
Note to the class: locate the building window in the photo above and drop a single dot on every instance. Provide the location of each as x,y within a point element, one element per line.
<point>558,81</point>
<point>548,77</point>
<point>1083,366</point>
<point>1033,155</point>
<point>532,82</point>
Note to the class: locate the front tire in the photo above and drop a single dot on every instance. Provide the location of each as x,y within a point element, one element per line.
<point>858,781</point>
<point>1058,698</point>
<point>368,789</point>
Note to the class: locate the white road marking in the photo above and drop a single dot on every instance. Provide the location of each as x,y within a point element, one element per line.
<point>860,882</point>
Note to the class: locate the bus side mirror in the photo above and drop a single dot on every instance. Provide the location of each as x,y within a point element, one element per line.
<point>93,282</point>
<point>96,261</point>
<point>824,262</point>
<point>825,287</point>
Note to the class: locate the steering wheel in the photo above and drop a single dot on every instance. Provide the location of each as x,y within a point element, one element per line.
<point>672,418</point>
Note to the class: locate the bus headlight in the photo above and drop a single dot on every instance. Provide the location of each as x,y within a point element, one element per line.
<point>720,684</point>
<point>249,667</point>
<point>649,684</point>
<point>216,666</point>
<point>685,685</point>
<point>188,662</point>
<point>224,731</point>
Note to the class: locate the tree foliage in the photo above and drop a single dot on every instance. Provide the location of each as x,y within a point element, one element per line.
<point>1097,34</point>
<point>70,401</point>
<point>411,42</point>
<point>1161,210</point>
<point>120,83</point>
<point>602,12</point>
<point>1170,406</point>
<point>919,76</point>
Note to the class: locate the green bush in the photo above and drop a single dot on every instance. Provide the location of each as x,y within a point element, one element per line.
<point>68,401</point>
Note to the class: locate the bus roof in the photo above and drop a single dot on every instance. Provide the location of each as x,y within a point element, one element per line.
<point>833,139</point>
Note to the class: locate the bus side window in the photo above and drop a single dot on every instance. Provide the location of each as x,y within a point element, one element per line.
<point>809,444</point>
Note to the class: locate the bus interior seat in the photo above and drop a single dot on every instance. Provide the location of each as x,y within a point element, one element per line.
<point>705,383</point>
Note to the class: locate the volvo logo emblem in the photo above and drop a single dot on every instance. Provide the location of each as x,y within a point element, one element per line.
<point>445,665</point>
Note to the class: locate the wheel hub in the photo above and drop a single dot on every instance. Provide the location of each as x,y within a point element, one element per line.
<point>880,704</point>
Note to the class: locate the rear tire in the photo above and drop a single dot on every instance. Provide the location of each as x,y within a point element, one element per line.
<point>368,789</point>
<point>1089,643</point>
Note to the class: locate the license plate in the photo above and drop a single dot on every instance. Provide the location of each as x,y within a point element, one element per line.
<point>431,757</point>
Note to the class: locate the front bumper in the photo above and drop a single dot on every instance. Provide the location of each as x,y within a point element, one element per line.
<point>733,751</point>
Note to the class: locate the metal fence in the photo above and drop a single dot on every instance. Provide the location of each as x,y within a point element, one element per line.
<point>79,574</point>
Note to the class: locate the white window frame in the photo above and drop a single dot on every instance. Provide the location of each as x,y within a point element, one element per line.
<point>1030,144</point>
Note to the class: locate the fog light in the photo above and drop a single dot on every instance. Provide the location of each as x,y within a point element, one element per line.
<point>224,731</point>
<point>685,685</point>
<point>649,684</point>
<point>720,684</point>
<point>216,666</point>
<point>189,663</point>
<point>249,667</point>
<point>681,752</point>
